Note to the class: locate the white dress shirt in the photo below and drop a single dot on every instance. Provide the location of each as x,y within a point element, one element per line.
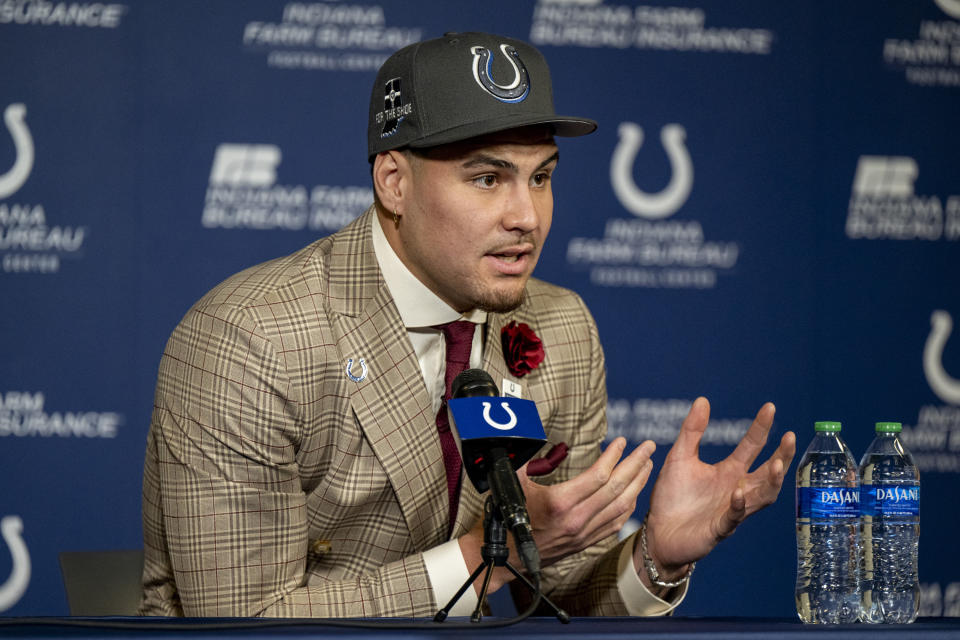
<point>421,311</point>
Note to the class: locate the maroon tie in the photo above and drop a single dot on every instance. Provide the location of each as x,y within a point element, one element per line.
<point>459,339</point>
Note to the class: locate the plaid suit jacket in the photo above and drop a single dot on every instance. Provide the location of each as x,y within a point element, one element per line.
<point>275,485</point>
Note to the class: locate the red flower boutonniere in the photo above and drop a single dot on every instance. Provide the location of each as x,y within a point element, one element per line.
<point>522,349</point>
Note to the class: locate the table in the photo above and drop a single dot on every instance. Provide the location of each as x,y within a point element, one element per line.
<point>676,628</point>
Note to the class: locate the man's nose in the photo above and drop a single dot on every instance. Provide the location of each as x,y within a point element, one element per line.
<point>522,212</point>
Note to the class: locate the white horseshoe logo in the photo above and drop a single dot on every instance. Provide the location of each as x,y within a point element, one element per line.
<point>13,179</point>
<point>950,7</point>
<point>645,205</point>
<point>502,426</point>
<point>945,386</point>
<point>12,590</point>
<point>363,370</point>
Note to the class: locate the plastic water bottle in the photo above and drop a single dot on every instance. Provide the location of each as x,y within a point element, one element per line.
<point>828,523</point>
<point>890,529</point>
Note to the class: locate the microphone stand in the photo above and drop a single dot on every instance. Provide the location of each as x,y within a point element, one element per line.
<point>494,552</point>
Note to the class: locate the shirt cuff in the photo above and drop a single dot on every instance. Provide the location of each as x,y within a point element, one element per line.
<point>448,571</point>
<point>638,600</point>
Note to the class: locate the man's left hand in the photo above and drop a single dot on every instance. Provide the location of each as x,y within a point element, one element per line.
<point>695,505</point>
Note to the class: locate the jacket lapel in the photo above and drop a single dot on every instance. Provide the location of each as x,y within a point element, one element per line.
<point>390,402</point>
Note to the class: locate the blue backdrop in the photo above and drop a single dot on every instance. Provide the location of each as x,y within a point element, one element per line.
<point>770,210</point>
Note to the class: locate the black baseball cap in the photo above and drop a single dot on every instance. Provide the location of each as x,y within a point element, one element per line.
<point>461,86</point>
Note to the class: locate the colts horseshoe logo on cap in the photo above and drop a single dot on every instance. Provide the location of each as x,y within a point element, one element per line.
<point>517,90</point>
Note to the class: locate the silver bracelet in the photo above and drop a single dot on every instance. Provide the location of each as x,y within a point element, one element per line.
<point>652,572</point>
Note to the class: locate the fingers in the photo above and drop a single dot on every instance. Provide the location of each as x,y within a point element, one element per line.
<point>627,478</point>
<point>608,508</point>
<point>599,499</point>
<point>601,468</point>
<point>787,448</point>
<point>687,444</point>
<point>602,485</point>
<point>735,513</point>
<point>587,483</point>
<point>621,501</point>
<point>764,484</point>
<point>780,462</point>
<point>755,439</point>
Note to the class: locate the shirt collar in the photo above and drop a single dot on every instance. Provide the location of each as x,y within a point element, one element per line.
<point>418,305</point>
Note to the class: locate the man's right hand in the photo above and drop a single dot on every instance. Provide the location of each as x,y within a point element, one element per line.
<point>571,516</point>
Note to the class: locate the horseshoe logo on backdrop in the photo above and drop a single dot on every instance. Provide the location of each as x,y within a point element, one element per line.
<point>658,205</point>
<point>950,7</point>
<point>15,118</point>
<point>502,426</point>
<point>517,90</point>
<point>11,591</point>
<point>945,386</point>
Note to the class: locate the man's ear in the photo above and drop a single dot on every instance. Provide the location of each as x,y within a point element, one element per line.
<point>391,179</point>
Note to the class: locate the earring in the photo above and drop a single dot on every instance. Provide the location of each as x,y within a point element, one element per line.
<point>396,218</point>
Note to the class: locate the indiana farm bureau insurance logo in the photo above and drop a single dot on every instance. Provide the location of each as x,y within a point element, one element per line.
<point>244,193</point>
<point>593,24</point>
<point>884,204</point>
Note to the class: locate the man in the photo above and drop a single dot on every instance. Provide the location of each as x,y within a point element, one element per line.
<point>299,462</point>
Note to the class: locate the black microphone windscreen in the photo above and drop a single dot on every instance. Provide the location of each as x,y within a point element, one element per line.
<point>473,383</point>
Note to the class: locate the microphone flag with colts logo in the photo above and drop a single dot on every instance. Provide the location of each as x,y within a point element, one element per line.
<point>480,423</point>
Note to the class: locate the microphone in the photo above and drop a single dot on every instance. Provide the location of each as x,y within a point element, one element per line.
<point>494,443</point>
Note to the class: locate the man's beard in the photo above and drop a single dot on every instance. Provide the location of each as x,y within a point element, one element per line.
<point>501,301</point>
<point>494,300</point>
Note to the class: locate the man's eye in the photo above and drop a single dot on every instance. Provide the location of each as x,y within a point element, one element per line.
<point>486,181</point>
<point>541,179</point>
